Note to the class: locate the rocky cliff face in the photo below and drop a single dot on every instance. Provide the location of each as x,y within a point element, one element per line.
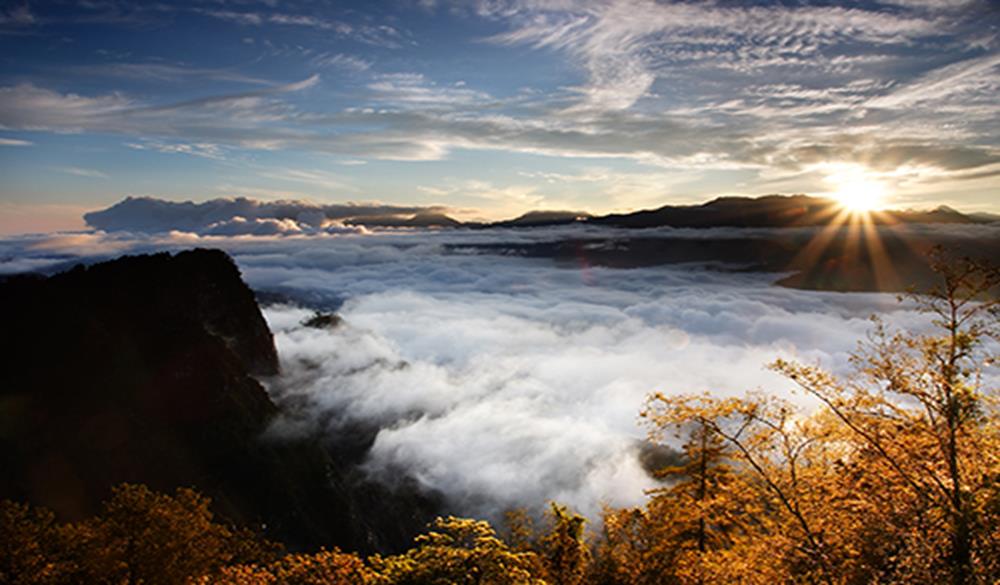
<point>139,370</point>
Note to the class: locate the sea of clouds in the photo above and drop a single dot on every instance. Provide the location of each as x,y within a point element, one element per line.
<point>499,380</point>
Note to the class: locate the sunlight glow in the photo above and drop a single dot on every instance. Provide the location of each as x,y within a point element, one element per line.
<point>855,226</point>
<point>856,191</point>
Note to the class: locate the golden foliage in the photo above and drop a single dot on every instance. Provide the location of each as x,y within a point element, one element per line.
<point>893,480</point>
<point>140,536</point>
<point>322,568</point>
<point>460,551</point>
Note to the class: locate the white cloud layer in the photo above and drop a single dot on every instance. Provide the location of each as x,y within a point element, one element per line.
<point>499,380</point>
<point>504,381</point>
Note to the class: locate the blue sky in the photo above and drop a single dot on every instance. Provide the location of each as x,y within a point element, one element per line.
<point>494,107</point>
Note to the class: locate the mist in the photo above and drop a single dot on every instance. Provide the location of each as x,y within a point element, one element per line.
<point>503,381</point>
<point>497,380</point>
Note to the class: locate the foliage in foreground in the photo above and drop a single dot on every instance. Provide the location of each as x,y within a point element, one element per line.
<point>895,478</point>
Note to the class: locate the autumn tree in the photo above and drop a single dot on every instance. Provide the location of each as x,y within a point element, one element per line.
<point>460,551</point>
<point>694,517</point>
<point>922,413</point>
<point>778,497</point>
<point>892,479</point>
<point>29,546</point>
<point>140,536</point>
<point>564,549</point>
<point>326,567</point>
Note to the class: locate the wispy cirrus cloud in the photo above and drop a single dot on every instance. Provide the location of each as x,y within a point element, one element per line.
<point>416,89</point>
<point>29,107</point>
<point>204,150</point>
<point>380,35</point>
<point>81,172</point>
<point>974,80</point>
<point>625,45</point>
<point>767,92</point>
<point>340,61</point>
<point>167,72</point>
<point>430,121</point>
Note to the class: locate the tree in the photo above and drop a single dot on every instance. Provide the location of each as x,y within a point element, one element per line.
<point>28,546</point>
<point>327,567</point>
<point>563,550</point>
<point>893,479</point>
<point>157,538</point>
<point>919,411</point>
<point>460,551</point>
<point>140,536</point>
<point>780,491</point>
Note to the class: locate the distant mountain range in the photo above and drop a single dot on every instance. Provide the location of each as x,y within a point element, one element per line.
<point>766,211</point>
<point>242,216</point>
<point>769,211</point>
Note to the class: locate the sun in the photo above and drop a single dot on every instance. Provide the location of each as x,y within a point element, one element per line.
<point>857,192</point>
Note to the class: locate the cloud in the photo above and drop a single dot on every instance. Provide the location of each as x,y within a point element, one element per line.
<point>15,142</point>
<point>763,90</point>
<point>226,118</point>
<point>79,172</point>
<point>28,107</point>
<point>379,35</point>
<point>167,73</point>
<point>340,61</point>
<point>241,226</point>
<point>203,150</point>
<point>232,216</point>
<point>236,100</point>
<point>974,75</point>
<point>625,45</point>
<point>414,88</point>
<point>503,381</point>
<point>430,126</point>
<point>499,380</point>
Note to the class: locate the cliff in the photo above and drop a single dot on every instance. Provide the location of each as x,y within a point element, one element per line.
<point>141,370</point>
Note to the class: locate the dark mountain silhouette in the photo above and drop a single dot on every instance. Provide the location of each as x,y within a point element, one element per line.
<point>767,211</point>
<point>419,220</point>
<point>242,215</point>
<point>543,218</point>
<point>891,259</point>
<point>985,217</point>
<point>140,370</point>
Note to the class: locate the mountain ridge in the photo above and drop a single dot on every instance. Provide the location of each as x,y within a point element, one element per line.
<point>243,216</point>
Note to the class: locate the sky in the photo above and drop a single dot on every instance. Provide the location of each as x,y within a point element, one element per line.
<point>490,108</point>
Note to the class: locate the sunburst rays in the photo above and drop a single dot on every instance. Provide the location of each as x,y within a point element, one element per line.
<point>851,241</point>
